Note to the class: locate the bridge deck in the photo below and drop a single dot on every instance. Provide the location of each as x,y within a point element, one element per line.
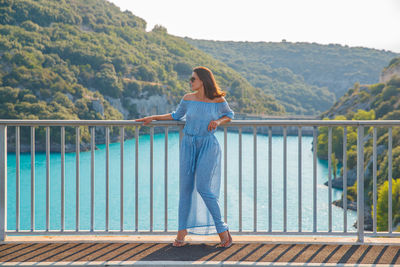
<point>246,250</point>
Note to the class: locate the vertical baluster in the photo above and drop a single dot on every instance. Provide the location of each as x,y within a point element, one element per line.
<point>390,181</point>
<point>92,174</point>
<point>284,179</point>
<point>270,179</point>
<point>374,197</point>
<point>122,138</point>
<point>77,149</point>
<point>17,166</point>
<point>240,179</point>
<point>299,174</point>
<point>255,177</point>
<point>107,176</point>
<point>329,179</point>
<point>137,178</point>
<point>32,178</point>
<point>225,175</point>
<point>3,181</point>
<point>166,179</point>
<point>360,184</point>
<point>47,178</point>
<point>345,179</point>
<point>151,176</point>
<point>62,178</point>
<point>315,179</point>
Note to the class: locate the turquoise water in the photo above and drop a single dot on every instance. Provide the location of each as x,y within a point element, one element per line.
<point>144,186</point>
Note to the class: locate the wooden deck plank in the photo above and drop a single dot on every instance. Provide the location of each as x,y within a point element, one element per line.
<point>198,252</point>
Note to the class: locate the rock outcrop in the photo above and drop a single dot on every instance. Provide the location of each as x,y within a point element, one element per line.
<point>389,73</point>
<point>351,205</point>
<point>155,104</point>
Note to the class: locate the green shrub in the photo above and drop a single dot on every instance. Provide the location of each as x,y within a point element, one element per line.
<point>145,73</point>
<point>107,81</point>
<point>394,61</point>
<point>395,82</point>
<point>183,68</point>
<point>376,88</point>
<point>30,26</point>
<point>382,205</point>
<point>383,109</point>
<point>389,91</point>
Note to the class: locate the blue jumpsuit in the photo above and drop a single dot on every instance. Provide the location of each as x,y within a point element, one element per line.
<point>200,167</point>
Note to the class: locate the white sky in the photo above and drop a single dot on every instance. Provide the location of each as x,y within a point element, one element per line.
<point>367,23</point>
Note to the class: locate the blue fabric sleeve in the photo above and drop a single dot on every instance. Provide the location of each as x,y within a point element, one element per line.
<point>225,110</point>
<point>180,111</point>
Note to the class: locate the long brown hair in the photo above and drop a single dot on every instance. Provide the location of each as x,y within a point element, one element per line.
<point>211,88</point>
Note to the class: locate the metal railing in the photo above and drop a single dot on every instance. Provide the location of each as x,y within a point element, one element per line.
<point>240,125</point>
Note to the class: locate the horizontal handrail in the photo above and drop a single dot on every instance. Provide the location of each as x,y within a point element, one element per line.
<point>301,126</point>
<point>382,123</point>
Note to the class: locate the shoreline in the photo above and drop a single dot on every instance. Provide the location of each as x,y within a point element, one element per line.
<point>40,146</point>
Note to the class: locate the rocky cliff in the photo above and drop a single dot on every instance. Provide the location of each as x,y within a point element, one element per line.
<point>390,72</point>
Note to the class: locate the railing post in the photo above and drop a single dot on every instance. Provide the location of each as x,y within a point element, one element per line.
<point>3,182</point>
<point>360,184</point>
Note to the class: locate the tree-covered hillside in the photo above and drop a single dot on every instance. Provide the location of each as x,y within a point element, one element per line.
<point>380,101</point>
<point>85,59</point>
<point>306,78</point>
<point>61,56</point>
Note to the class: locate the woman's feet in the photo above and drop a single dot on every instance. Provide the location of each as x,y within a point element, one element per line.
<point>180,239</point>
<point>226,239</point>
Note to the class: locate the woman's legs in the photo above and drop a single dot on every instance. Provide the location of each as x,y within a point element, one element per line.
<point>208,180</point>
<point>186,187</point>
<point>212,203</point>
<point>211,200</point>
<point>185,196</point>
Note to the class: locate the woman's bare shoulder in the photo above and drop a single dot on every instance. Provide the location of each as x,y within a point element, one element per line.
<point>189,96</point>
<point>220,99</point>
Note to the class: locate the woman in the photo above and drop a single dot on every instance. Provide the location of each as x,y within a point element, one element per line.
<point>200,157</point>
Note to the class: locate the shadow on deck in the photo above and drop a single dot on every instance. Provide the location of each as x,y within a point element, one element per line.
<point>146,251</point>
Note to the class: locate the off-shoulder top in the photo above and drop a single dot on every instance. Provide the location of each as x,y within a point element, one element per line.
<point>199,114</point>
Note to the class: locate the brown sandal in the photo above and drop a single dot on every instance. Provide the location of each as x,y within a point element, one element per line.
<point>181,242</point>
<point>226,243</point>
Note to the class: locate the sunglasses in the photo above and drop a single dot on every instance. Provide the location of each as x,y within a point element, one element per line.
<point>192,79</point>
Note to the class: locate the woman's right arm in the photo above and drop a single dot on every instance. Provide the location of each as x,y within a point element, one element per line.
<point>147,120</point>
<point>176,115</point>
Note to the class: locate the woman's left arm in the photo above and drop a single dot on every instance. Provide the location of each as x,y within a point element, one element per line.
<point>226,114</point>
<point>214,124</point>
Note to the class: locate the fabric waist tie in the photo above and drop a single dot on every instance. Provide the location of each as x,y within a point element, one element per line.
<point>193,139</point>
<point>192,157</point>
